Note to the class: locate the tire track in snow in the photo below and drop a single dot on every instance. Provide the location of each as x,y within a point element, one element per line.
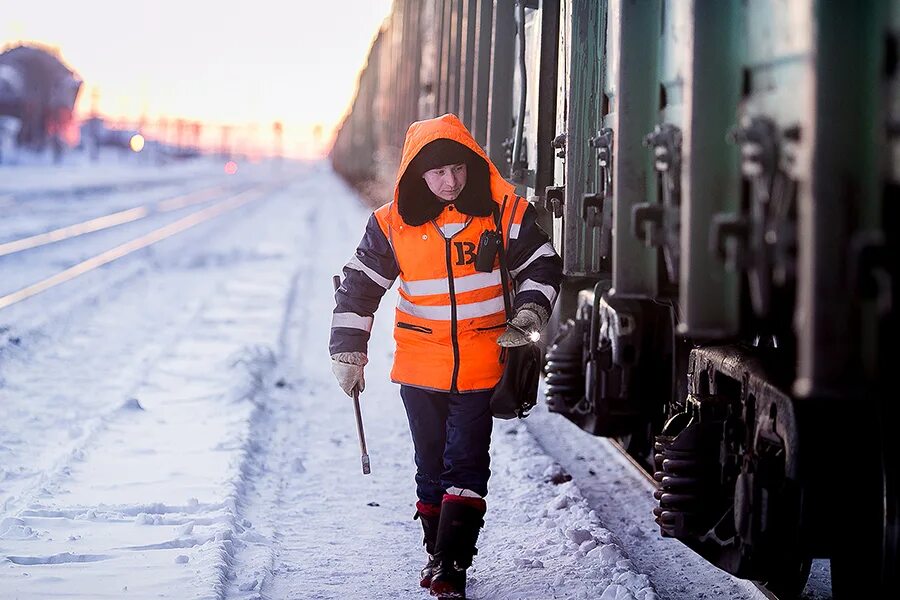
<point>254,554</point>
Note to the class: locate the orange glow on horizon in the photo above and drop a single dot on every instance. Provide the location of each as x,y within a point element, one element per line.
<point>234,72</point>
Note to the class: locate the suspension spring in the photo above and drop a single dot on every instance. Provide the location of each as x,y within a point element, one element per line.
<point>687,476</point>
<point>564,369</point>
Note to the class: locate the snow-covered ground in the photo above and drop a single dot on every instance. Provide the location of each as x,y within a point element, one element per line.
<point>169,425</point>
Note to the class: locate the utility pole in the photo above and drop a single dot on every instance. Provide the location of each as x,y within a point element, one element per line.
<point>278,130</point>
<point>225,149</point>
<point>317,137</point>
<point>196,128</point>
<point>179,133</point>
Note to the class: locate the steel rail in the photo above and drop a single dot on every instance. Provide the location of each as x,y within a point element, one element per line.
<point>138,243</point>
<point>111,220</point>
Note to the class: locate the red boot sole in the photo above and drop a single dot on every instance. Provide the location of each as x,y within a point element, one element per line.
<point>446,592</point>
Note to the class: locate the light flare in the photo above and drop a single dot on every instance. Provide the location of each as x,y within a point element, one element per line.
<point>136,142</point>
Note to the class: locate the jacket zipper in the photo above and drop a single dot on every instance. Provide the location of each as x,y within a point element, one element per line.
<point>454,342</point>
<point>411,327</point>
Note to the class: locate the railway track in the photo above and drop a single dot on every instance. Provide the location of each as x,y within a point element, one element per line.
<point>230,202</point>
<point>121,217</point>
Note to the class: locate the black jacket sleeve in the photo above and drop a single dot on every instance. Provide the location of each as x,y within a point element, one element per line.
<point>367,276</point>
<point>533,264</point>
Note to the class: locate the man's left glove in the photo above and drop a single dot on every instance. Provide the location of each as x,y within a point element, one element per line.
<point>525,326</point>
<point>348,369</point>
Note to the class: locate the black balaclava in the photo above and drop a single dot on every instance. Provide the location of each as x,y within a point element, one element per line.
<point>417,204</point>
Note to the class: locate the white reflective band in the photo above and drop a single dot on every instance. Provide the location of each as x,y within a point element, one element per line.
<point>352,320</point>
<point>514,231</point>
<point>546,249</point>
<point>546,290</point>
<point>435,313</point>
<point>424,287</point>
<point>357,265</point>
<point>464,492</point>
<point>451,229</point>
<point>477,281</point>
<point>479,309</point>
<point>467,283</point>
<point>442,313</point>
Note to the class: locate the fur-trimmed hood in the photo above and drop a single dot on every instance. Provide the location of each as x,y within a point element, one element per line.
<point>484,189</point>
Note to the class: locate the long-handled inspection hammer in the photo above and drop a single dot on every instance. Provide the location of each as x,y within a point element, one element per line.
<point>359,424</point>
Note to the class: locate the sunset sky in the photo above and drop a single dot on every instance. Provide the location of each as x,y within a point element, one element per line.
<point>246,64</point>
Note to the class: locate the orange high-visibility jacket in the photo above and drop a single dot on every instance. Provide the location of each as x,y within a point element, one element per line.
<point>448,315</point>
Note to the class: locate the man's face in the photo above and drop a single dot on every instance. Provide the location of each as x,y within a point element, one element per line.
<point>446,182</point>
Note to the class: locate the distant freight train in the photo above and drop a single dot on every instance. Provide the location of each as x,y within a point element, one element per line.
<point>721,179</point>
<point>39,92</point>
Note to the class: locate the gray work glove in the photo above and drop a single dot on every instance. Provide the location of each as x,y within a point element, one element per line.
<point>348,369</point>
<point>528,321</point>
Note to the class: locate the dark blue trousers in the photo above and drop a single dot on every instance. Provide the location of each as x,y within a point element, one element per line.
<point>451,435</point>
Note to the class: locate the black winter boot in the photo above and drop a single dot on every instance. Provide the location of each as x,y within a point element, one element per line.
<point>429,515</point>
<point>461,518</point>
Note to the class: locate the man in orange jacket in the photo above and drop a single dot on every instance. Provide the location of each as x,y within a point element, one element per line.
<point>450,322</point>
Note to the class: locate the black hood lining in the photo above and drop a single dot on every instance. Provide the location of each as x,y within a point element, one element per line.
<point>417,204</point>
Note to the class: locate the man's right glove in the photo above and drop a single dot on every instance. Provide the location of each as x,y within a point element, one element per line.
<point>348,369</point>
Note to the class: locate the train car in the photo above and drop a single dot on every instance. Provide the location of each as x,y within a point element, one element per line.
<point>721,180</point>
<point>40,91</point>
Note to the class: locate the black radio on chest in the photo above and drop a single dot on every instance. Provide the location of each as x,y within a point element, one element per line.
<point>488,246</point>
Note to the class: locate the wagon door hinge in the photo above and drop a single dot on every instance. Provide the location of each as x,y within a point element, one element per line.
<point>763,239</point>
<point>592,204</point>
<point>559,144</point>
<point>659,223</point>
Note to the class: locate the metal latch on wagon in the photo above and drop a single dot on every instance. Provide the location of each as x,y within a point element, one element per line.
<point>555,196</point>
<point>554,200</point>
<point>592,204</point>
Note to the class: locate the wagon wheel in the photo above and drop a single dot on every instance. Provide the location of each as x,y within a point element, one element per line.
<point>873,527</point>
<point>890,564</point>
